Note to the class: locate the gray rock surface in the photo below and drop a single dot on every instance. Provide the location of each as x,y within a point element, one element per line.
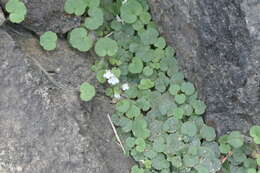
<point>218,47</point>
<point>47,15</point>
<point>46,129</point>
<point>2,17</point>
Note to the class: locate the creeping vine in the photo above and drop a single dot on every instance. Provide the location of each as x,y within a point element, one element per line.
<point>158,113</point>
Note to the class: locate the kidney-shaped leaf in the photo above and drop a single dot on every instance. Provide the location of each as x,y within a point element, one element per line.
<point>79,39</point>
<point>48,40</point>
<point>106,47</point>
<point>87,91</point>
<point>130,11</point>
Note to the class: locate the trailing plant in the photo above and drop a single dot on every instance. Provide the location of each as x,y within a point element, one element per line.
<point>157,112</point>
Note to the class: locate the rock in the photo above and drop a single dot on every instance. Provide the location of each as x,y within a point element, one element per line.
<point>44,128</point>
<point>48,15</point>
<point>2,17</point>
<point>218,47</point>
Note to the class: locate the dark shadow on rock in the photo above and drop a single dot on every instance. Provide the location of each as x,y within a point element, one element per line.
<point>218,47</point>
<point>46,129</point>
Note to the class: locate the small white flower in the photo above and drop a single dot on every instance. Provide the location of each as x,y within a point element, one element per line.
<point>113,80</point>
<point>108,74</point>
<point>117,96</point>
<point>125,86</point>
<point>125,1</point>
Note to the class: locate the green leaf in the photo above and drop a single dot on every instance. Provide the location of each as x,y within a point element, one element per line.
<point>237,169</point>
<point>166,104</point>
<point>137,155</point>
<point>170,65</point>
<point>149,153</point>
<point>160,43</point>
<point>116,118</point>
<point>176,161</point>
<point>188,110</point>
<point>255,134</point>
<point>140,144</point>
<point>100,75</point>
<point>145,17</point>
<point>187,88</point>
<point>180,98</point>
<point>158,54</point>
<point>143,104</point>
<point>147,71</point>
<point>190,161</point>
<point>109,92</point>
<point>138,25</point>
<point>116,72</point>
<point>258,160</point>
<point>76,7</point>
<point>133,111</point>
<point>17,10</point>
<point>130,142</point>
<point>159,144</point>
<point>79,39</point>
<point>126,124</point>
<point>199,106</point>
<point>174,144</point>
<point>178,112</point>
<point>130,11</point>
<point>174,89</point>
<point>149,36</point>
<point>106,46</point>
<point>132,92</point>
<point>99,65</point>
<point>148,164</point>
<point>250,163</point>
<point>145,53</point>
<point>202,169</point>
<point>223,139</point>
<point>136,169</point>
<point>208,133</point>
<point>177,78</point>
<point>189,128</point>
<point>136,66</point>
<point>239,156</point>
<point>169,51</point>
<point>48,40</point>
<point>235,139</point>
<point>171,125</point>
<point>166,171</point>
<point>146,84</point>
<point>155,127</point>
<point>140,128</point>
<point>251,170</point>
<point>95,20</point>
<point>160,84</point>
<point>115,25</point>
<point>93,3</point>
<point>87,91</point>
<point>160,163</point>
<point>123,105</point>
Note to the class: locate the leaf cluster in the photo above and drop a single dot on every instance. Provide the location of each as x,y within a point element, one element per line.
<point>158,118</point>
<point>17,10</point>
